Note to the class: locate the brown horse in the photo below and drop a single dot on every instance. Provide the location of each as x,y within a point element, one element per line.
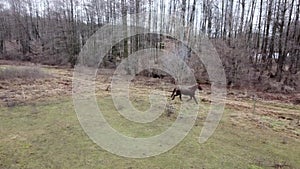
<point>189,91</point>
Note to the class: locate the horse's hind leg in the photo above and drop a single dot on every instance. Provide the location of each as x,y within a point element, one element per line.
<point>195,99</point>
<point>173,97</point>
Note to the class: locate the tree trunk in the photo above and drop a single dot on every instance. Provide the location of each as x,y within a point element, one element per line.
<point>242,17</point>
<point>137,8</point>
<point>253,6</point>
<point>1,46</point>
<point>183,13</point>
<point>286,50</point>
<point>225,21</point>
<point>209,19</point>
<point>281,54</point>
<point>274,31</point>
<point>230,24</point>
<point>296,38</point>
<point>222,18</point>
<point>259,27</point>
<point>124,20</point>
<point>266,36</point>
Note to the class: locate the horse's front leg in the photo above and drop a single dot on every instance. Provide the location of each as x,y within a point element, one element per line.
<point>173,93</point>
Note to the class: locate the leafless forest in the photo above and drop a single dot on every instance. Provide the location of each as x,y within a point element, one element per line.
<point>42,41</point>
<point>258,41</point>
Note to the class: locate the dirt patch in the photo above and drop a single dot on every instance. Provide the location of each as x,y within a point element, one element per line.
<point>283,117</point>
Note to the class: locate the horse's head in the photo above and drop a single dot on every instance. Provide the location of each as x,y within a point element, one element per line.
<point>195,87</point>
<point>199,87</point>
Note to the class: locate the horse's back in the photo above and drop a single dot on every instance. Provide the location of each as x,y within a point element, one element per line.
<point>186,91</point>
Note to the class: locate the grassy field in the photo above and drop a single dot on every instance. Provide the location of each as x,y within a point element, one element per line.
<point>48,135</point>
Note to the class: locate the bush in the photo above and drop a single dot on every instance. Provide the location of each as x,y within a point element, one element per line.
<point>22,73</point>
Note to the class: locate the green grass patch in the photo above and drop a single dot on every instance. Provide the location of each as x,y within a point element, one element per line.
<point>48,135</point>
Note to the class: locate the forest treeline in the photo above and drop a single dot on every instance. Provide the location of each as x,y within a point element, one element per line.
<point>258,40</point>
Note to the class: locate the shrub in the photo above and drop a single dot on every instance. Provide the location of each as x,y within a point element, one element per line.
<point>22,73</point>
